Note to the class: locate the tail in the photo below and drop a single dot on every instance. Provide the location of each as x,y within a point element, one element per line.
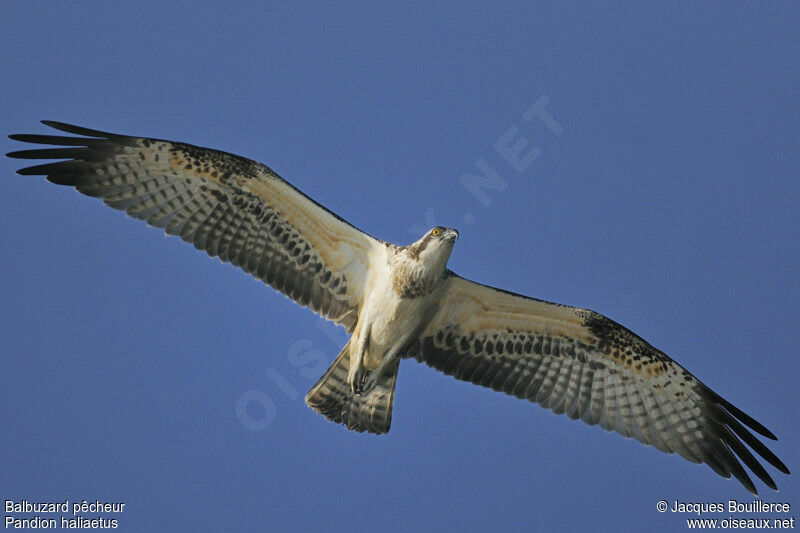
<point>332,398</point>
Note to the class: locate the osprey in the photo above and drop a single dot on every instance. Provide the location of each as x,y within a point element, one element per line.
<point>403,302</point>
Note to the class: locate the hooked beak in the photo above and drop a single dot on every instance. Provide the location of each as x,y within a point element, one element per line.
<point>452,234</point>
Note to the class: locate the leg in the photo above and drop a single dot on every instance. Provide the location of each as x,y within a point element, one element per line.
<point>388,360</point>
<point>356,372</point>
<point>332,398</point>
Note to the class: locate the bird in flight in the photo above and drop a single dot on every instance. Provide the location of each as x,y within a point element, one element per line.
<point>403,302</point>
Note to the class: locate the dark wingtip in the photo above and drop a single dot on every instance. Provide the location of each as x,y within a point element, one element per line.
<point>774,461</point>
<point>764,431</point>
<point>49,153</point>
<point>748,420</point>
<point>29,171</point>
<point>19,154</point>
<point>54,124</point>
<point>77,130</point>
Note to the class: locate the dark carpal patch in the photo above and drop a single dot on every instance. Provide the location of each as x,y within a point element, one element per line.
<point>624,346</point>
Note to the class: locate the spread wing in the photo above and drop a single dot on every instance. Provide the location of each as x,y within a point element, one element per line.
<point>580,363</point>
<point>231,207</point>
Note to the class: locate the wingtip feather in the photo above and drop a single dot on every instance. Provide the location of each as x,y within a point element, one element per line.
<point>77,130</point>
<point>746,419</point>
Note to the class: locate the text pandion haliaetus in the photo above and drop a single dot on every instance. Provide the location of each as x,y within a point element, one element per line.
<point>403,302</point>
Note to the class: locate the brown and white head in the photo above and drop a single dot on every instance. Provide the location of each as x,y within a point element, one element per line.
<point>434,248</point>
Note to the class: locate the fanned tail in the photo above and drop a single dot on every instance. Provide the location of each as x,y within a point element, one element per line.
<point>332,398</point>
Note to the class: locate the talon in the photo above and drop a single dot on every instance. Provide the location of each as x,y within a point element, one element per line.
<point>370,382</point>
<point>360,385</point>
<point>355,378</point>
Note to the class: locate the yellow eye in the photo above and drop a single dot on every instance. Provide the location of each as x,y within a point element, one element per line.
<point>435,233</point>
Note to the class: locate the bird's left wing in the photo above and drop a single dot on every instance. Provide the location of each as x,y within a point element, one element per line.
<point>580,363</point>
<point>228,206</point>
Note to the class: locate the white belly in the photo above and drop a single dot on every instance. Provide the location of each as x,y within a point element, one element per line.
<point>389,317</point>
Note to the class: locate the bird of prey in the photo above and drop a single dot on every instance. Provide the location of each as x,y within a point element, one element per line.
<point>403,302</point>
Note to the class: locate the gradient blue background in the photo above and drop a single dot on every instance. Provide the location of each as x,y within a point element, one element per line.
<point>669,203</point>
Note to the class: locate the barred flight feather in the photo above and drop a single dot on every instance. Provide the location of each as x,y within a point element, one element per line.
<point>580,363</point>
<point>225,205</point>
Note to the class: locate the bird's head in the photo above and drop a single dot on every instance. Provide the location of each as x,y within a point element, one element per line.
<point>434,247</point>
<point>441,233</point>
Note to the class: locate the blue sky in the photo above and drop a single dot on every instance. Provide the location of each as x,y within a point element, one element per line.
<point>668,201</point>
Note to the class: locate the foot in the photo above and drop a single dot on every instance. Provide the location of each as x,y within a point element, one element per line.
<point>370,382</point>
<point>355,378</point>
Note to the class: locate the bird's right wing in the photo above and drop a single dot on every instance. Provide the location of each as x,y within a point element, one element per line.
<point>580,363</point>
<point>231,207</point>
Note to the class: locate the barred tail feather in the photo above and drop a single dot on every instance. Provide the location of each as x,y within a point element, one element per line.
<point>332,398</point>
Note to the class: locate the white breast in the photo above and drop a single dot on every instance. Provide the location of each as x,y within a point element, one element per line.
<point>390,317</point>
